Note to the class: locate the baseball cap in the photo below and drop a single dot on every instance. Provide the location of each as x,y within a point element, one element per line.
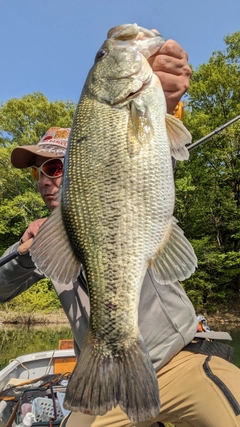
<point>52,145</point>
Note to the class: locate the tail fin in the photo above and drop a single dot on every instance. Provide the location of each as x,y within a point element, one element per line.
<point>101,381</point>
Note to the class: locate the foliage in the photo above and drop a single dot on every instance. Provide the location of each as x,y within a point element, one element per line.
<point>23,121</point>
<point>28,339</point>
<point>40,297</point>
<point>208,186</point>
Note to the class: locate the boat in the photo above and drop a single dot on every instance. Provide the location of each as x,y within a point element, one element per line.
<point>33,386</point>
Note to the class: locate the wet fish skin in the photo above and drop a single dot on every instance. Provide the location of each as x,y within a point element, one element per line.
<point>116,217</point>
<point>106,250</point>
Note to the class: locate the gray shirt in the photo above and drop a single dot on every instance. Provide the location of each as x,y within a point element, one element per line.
<point>167,319</point>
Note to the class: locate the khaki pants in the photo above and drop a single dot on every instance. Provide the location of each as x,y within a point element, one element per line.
<point>195,391</point>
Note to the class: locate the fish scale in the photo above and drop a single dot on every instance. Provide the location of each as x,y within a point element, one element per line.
<point>119,245</point>
<point>115,217</point>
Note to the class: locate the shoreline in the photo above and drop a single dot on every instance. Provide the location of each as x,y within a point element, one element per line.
<point>14,318</point>
<point>58,317</point>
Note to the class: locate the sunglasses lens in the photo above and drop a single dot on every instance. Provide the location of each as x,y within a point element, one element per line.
<point>35,174</point>
<point>53,168</point>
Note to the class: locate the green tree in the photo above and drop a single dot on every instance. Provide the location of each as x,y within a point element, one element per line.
<point>41,297</point>
<point>208,186</point>
<point>24,121</point>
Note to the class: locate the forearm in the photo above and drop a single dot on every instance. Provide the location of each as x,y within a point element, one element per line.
<point>17,275</point>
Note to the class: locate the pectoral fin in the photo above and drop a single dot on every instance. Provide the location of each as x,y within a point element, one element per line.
<point>51,251</point>
<point>140,130</point>
<point>178,137</point>
<point>175,259</point>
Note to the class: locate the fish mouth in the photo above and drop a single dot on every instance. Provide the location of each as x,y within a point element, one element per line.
<point>148,42</point>
<point>134,94</point>
<point>144,86</point>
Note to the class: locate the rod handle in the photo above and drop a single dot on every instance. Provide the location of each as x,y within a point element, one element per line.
<point>24,247</point>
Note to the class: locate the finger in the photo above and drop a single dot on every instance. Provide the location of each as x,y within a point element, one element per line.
<point>26,236</point>
<point>173,82</point>
<point>40,221</point>
<point>173,48</point>
<point>174,88</point>
<point>33,228</point>
<point>168,64</point>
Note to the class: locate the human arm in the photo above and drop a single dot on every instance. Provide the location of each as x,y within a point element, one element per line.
<point>19,274</point>
<point>170,64</point>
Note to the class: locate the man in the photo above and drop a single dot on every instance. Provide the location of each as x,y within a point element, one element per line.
<point>195,389</point>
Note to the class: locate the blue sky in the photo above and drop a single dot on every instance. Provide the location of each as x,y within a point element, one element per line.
<point>50,45</point>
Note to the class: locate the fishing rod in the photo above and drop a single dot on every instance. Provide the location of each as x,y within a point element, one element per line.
<point>24,247</point>
<point>195,144</point>
<point>21,250</point>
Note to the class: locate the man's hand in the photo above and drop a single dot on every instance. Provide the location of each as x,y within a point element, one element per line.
<point>170,64</point>
<point>32,229</point>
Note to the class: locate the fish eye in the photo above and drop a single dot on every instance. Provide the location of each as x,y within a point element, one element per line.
<point>100,54</point>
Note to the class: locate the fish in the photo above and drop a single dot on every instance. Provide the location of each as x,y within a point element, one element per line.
<point>115,217</point>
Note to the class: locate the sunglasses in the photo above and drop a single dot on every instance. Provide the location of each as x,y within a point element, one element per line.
<point>52,168</point>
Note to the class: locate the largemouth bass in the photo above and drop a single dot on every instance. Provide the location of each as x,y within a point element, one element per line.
<point>115,216</point>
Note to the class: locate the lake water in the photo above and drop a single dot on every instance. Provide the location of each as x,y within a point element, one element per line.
<point>18,340</point>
